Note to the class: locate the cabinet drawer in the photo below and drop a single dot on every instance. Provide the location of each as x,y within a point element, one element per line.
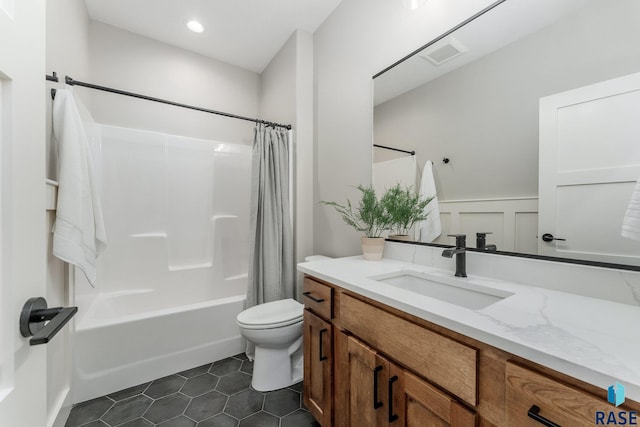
<point>318,298</point>
<point>443,361</point>
<point>558,403</point>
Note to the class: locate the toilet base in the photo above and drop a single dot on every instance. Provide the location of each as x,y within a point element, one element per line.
<point>274,369</point>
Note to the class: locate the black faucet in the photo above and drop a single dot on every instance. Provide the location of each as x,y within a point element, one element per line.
<point>460,253</point>
<point>481,242</point>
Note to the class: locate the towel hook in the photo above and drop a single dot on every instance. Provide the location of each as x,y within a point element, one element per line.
<point>445,160</point>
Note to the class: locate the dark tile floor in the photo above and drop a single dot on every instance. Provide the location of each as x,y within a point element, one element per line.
<point>215,395</point>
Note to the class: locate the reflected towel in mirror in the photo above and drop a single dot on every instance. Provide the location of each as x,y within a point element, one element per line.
<point>429,229</point>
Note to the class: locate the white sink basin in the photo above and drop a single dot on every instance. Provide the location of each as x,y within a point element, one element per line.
<point>451,290</point>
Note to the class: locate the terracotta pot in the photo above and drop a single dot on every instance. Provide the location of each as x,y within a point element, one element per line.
<point>405,237</point>
<point>372,248</point>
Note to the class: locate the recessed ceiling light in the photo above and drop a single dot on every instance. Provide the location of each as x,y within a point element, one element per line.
<point>195,26</point>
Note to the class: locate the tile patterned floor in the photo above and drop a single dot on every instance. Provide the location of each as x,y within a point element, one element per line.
<point>213,395</point>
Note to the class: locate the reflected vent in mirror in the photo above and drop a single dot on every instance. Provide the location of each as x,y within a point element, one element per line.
<point>443,52</point>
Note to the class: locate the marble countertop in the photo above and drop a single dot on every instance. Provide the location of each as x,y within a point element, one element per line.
<point>594,340</point>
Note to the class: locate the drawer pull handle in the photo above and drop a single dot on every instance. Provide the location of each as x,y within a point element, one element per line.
<point>534,412</point>
<point>312,298</point>
<point>392,416</point>
<point>376,403</point>
<point>322,358</point>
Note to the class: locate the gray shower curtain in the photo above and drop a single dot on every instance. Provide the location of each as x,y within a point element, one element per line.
<point>271,266</point>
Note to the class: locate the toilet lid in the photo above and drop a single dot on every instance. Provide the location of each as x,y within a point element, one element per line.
<point>272,314</point>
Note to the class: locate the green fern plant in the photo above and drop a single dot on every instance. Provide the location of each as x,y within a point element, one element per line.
<point>404,207</point>
<point>369,217</point>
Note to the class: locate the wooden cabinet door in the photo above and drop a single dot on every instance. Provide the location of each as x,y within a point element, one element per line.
<point>416,403</point>
<point>318,359</point>
<point>375,392</point>
<point>361,395</point>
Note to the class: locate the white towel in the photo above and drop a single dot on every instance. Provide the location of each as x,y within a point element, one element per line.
<point>78,232</point>
<point>429,229</point>
<point>631,221</point>
<point>389,173</point>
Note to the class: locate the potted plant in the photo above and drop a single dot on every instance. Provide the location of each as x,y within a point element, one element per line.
<point>404,207</point>
<point>370,218</point>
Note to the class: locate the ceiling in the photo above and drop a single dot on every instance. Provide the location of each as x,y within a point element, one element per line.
<point>508,22</point>
<point>246,33</point>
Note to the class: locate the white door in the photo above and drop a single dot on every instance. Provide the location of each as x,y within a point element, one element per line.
<point>22,207</point>
<point>589,163</point>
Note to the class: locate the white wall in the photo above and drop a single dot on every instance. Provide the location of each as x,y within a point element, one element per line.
<point>484,116</point>
<point>134,63</point>
<point>278,89</point>
<point>67,52</point>
<point>287,98</point>
<point>359,39</point>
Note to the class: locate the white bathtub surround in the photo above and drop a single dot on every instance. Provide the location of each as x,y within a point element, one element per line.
<point>79,234</point>
<point>174,276</point>
<point>593,339</point>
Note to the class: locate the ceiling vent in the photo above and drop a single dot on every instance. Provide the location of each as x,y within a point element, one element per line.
<point>443,52</point>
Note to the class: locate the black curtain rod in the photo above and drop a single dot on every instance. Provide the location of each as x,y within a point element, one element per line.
<point>413,153</point>
<point>72,82</point>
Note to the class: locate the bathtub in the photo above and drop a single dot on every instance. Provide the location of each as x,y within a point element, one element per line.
<point>173,277</point>
<point>130,337</point>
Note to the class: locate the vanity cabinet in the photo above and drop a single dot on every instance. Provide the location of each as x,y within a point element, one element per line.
<point>368,364</point>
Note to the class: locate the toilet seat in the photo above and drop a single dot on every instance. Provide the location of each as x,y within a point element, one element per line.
<point>271,315</point>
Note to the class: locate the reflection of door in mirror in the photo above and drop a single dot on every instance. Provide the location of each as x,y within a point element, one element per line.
<point>480,109</point>
<point>589,164</point>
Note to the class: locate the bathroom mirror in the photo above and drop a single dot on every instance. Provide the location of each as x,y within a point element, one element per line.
<point>469,101</point>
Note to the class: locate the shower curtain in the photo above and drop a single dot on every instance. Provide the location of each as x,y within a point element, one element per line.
<point>271,266</point>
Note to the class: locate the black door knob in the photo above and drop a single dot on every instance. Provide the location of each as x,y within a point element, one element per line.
<point>42,323</point>
<point>548,237</point>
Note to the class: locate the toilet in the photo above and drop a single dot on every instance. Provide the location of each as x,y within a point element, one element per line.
<point>275,328</point>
